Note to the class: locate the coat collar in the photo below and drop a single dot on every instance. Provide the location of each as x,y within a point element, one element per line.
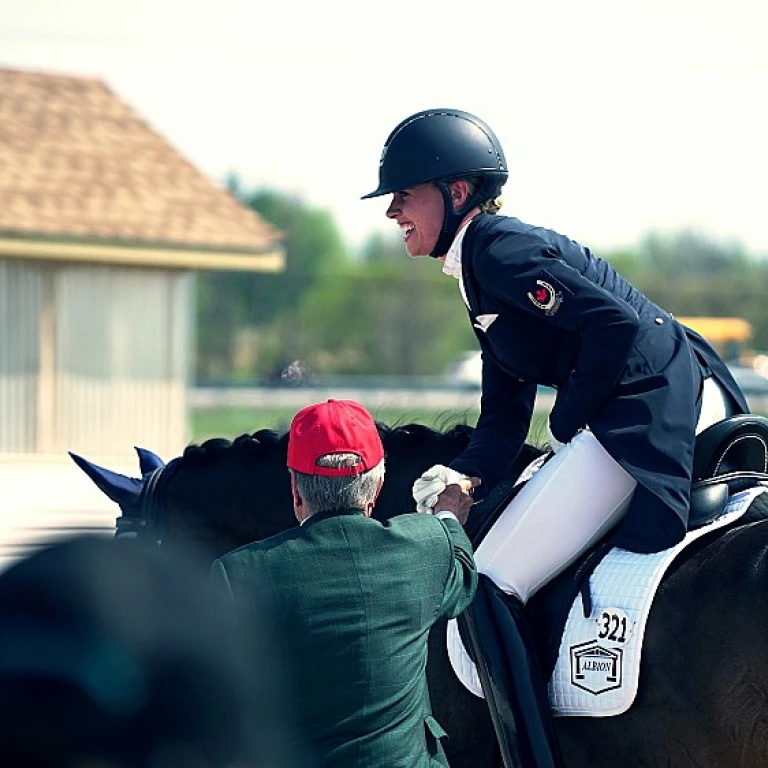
<point>318,516</point>
<point>469,289</point>
<point>452,263</point>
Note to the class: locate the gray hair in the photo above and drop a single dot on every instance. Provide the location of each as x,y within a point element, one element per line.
<point>331,494</point>
<point>491,206</point>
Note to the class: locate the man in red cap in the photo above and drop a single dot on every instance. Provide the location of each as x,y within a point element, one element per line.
<point>356,598</point>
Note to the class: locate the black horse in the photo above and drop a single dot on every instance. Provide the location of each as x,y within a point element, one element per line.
<point>703,695</point>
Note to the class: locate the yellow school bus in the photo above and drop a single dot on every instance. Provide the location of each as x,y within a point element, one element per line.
<point>728,335</point>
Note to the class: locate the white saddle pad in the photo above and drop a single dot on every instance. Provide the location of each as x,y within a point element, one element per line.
<point>598,668</point>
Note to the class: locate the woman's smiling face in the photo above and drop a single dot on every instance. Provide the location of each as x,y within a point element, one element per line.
<point>419,213</point>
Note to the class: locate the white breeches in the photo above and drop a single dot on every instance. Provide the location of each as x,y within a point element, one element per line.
<point>575,498</point>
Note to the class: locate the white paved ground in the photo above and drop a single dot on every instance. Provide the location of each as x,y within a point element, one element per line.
<point>43,498</point>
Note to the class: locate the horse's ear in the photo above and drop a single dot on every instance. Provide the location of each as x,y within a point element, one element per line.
<point>124,491</point>
<point>148,461</point>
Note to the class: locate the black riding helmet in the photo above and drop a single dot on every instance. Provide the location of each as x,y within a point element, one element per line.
<point>442,145</point>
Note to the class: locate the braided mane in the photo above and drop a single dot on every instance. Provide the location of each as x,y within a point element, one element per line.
<point>265,442</point>
<point>238,490</point>
<point>259,443</point>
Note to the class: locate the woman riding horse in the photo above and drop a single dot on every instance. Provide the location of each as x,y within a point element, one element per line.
<point>633,385</point>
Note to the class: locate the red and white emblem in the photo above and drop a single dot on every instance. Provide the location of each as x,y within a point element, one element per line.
<point>545,297</point>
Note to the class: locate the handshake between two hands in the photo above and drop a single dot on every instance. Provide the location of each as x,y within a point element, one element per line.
<point>443,489</point>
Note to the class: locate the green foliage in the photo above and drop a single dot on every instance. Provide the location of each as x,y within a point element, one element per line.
<point>247,326</point>
<point>379,319</point>
<point>690,253</point>
<point>626,263</point>
<point>383,313</point>
<point>689,274</point>
<point>391,249</point>
<point>231,422</point>
<point>313,244</point>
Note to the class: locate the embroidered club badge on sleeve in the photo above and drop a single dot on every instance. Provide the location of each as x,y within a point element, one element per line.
<point>545,297</point>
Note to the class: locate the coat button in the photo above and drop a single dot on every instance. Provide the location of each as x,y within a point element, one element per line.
<point>659,321</point>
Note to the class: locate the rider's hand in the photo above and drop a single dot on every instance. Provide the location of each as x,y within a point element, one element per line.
<point>433,482</point>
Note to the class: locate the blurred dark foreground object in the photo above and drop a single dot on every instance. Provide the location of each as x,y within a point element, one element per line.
<point>115,655</point>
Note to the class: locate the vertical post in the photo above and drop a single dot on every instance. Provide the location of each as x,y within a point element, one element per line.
<point>46,377</point>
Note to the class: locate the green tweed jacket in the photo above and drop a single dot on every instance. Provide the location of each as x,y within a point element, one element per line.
<point>355,599</point>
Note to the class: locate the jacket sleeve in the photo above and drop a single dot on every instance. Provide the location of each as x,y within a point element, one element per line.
<point>605,324</point>
<point>506,407</point>
<point>461,583</point>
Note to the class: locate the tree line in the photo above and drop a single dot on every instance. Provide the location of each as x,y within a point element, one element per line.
<point>378,313</point>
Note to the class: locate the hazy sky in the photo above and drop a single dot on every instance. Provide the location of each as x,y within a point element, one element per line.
<point>616,117</point>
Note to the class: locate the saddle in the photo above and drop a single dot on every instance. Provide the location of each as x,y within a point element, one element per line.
<point>729,457</point>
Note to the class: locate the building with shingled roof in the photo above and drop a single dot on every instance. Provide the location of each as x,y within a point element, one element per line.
<point>102,227</point>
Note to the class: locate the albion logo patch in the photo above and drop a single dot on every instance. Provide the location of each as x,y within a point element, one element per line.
<point>595,668</point>
<point>545,297</point>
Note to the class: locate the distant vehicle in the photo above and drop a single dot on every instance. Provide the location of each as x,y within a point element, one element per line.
<point>466,371</point>
<point>730,336</point>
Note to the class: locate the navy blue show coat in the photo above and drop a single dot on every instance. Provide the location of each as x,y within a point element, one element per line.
<point>547,311</point>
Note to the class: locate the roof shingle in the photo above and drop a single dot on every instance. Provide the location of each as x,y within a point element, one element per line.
<point>77,162</point>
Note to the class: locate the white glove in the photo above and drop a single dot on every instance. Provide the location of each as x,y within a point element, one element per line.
<point>432,483</point>
<point>554,443</point>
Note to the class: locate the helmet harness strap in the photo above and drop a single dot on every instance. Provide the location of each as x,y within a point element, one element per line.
<point>451,219</point>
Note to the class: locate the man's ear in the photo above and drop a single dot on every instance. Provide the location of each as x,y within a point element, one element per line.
<point>298,502</point>
<point>460,193</point>
<point>369,511</point>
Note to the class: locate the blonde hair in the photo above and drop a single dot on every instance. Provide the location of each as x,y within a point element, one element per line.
<point>491,206</point>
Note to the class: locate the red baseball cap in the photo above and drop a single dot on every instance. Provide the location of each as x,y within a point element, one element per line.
<point>336,426</point>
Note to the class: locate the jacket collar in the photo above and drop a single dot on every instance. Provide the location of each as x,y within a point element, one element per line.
<point>318,516</point>
<point>469,288</point>
<point>452,263</point>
